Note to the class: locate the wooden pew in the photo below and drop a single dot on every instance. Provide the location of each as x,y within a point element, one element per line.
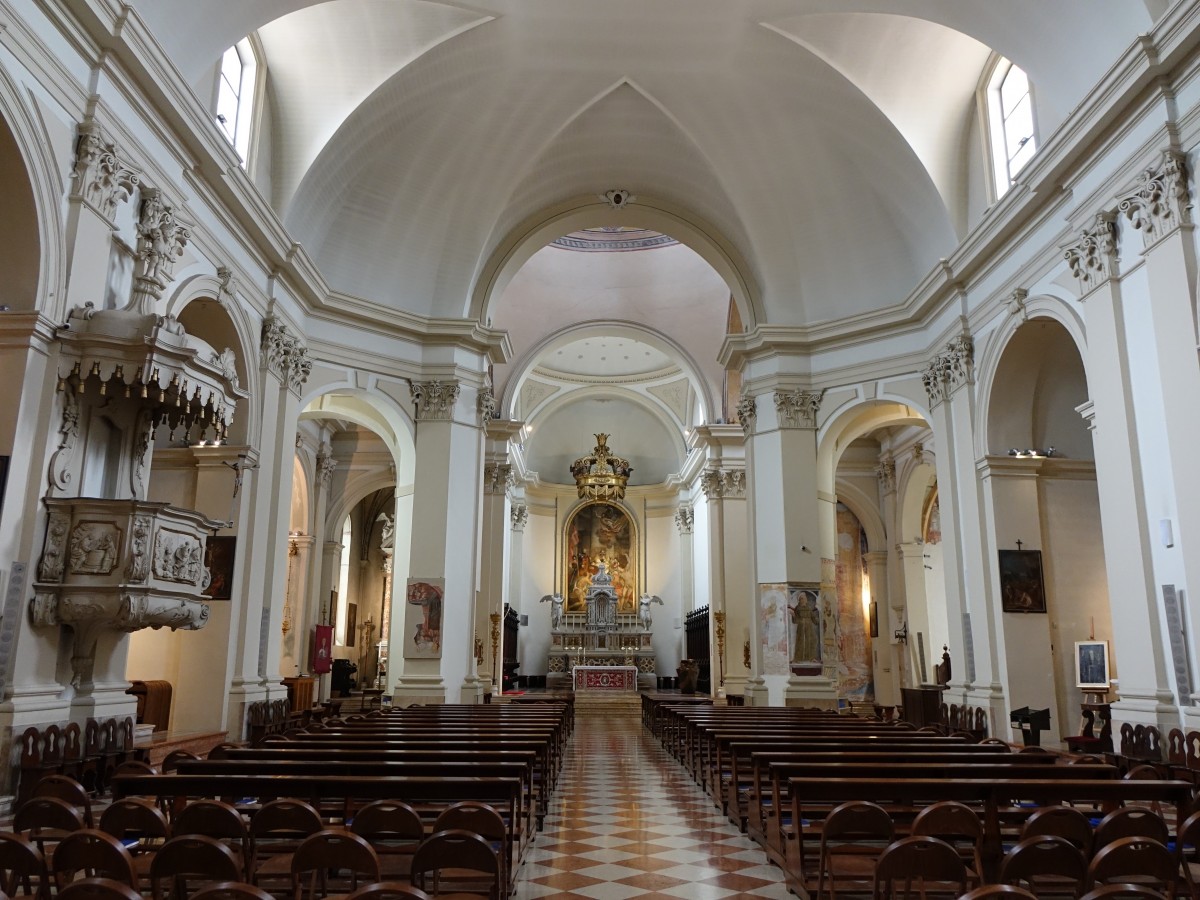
<point>810,797</point>
<point>427,792</point>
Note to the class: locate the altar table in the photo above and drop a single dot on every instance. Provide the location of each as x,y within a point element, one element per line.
<point>621,679</point>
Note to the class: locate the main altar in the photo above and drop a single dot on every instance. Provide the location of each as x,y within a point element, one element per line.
<point>599,636</point>
<point>599,620</point>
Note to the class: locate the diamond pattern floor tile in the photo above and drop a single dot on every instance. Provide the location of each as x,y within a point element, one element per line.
<point>626,822</point>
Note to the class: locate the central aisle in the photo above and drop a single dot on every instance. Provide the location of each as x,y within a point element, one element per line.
<point>627,821</point>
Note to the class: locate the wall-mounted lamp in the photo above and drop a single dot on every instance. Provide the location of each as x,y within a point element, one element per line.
<point>901,634</point>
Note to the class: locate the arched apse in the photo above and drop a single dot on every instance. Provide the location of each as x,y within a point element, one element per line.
<point>1048,501</point>
<point>523,367</point>
<point>1030,392</point>
<point>590,212</point>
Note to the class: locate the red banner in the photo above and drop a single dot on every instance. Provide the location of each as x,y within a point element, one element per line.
<point>322,649</point>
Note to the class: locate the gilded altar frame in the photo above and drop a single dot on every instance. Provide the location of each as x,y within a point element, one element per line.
<point>620,548</point>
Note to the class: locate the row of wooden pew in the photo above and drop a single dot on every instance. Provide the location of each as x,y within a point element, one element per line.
<point>505,755</point>
<point>777,772</point>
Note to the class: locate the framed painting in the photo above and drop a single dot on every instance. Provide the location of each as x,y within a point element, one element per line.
<point>1091,665</point>
<point>219,554</point>
<point>1022,589</point>
<point>600,531</point>
<point>351,624</point>
<point>423,618</point>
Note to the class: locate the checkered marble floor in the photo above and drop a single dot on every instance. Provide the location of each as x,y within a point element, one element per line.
<point>627,821</point>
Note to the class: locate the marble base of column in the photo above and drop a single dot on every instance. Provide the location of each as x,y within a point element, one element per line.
<point>756,692</point>
<point>241,695</point>
<point>473,688</point>
<point>412,689</point>
<point>104,701</point>
<point>735,685</point>
<point>813,691</point>
<point>992,699</point>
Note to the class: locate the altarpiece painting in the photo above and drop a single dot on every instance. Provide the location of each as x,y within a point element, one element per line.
<point>601,531</point>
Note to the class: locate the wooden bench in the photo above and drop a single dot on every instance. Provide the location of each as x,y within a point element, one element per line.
<point>809,798</point>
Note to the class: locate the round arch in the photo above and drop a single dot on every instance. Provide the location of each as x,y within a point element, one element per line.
<point>535,232</point>
<point>987,364</point>
<point>864,509</point>
<point>298,519</point>
<point>356,489</point>
<point>523,367</point>
<point>853,422</point>
<point>367,409</point>
<point>46,190</point>
<point>236,328</point>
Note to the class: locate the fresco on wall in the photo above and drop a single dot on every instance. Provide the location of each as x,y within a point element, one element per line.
<point>854,676</point>
<point>601,531</point>
<point>773,623</point>
<point>423,618</point>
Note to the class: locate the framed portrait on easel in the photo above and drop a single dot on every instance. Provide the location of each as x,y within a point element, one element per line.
<point>1091,665</point>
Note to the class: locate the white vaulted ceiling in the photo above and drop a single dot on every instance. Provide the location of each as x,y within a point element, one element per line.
<point>827,142</point>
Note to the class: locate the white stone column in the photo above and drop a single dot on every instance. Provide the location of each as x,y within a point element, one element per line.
<point>1144,695</point>
<point>445,538</point>
<point>498,478</point>
<point>973,611</point>
<point>284,369</point>
<point>724,484</point>
<point>1160,208</point>
<point>887,684</point>
<point>684,524</point>
<point>293,624</point>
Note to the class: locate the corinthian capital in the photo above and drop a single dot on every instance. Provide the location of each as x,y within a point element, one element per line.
<point>1160,201</point>
<point>950,369</point>
<point>434,399</point>
<point>721,483</point>
<point>100,178</point>
<point>498,478</point>
<point>1093,258</point>
<point>886,473</point>
<point>486,406</point>
<point>160,241</point>
<point>684,517</point>
<point>326,466</point>
<point>283,355</point>
<point>519,516</point>
<point>798,409</point>
<point>747,411</point>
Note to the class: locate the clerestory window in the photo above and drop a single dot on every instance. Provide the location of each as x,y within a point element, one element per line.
<point>235,95</point>
<point>1011,124</point>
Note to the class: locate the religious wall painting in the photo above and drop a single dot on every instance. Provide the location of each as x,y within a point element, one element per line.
<point>855,675</point>
<point>774,625</point>
<point>423,618</point>
<point>804,628</point>
<point>931,517</point>
<point>600,531</point>
<point>219,554</point>
<point>1021,587</point>
<point>351,624</point>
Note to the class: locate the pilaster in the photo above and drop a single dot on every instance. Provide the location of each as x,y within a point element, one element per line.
<point>1143,694</point>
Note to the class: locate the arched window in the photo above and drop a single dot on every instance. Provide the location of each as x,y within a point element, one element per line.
<point>339,633</point>
<point>1011,126</point>
<point>235,95</point>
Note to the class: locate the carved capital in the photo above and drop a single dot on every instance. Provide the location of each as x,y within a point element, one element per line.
<point>519,516</point>
<point>326,466</point>
<point>1161,201</point>
<point>1093,258</point>
<point>798,409</point>
<point>100,178</point>
<point>722,483</point>
<point>160,241</point>
<point>283,355</point>
<point>486,406</point>
<point>498,478</point>
<point>1016,304</point>
<point>886,473</point>
<point>950,369</point>
<point>684,518</point>
<point>747,412</point>
<point>228,288</point>
<point>435,399</point>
